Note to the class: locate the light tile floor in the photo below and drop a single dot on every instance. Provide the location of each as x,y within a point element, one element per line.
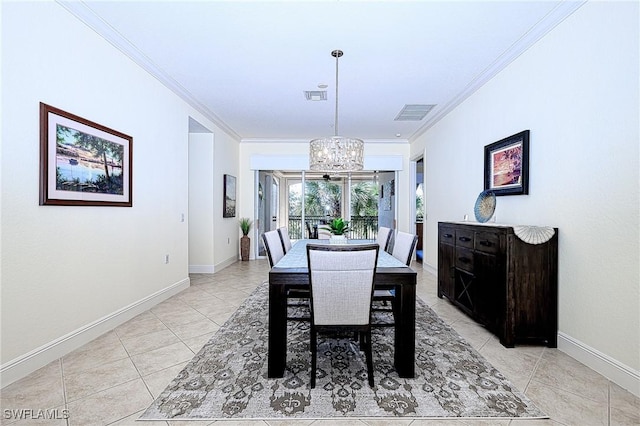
<point>113,379</point>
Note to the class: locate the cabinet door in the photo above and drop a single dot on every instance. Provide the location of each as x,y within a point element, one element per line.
<point>465,284</point>
<point>489,293</point>
<point>446,263</point>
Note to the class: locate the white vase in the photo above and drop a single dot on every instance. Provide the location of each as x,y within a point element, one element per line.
<point>338,239</point>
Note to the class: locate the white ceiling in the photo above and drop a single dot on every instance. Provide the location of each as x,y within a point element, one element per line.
<point>246,64</point>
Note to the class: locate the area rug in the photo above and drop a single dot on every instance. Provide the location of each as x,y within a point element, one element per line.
<point>227,379</point>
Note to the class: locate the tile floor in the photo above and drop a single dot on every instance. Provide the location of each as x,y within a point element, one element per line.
<point>113,379</point>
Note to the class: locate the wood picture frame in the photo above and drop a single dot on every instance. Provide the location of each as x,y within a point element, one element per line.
<point>83,163</point>
<point>229,202</point>
<point>506,165</point>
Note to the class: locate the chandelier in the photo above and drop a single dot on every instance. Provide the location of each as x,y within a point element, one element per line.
<point>336,153</point>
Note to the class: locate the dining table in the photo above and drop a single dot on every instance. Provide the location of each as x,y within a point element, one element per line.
<point>292,272</point>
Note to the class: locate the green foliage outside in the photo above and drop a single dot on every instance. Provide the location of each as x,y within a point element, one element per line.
<point>322,198</point>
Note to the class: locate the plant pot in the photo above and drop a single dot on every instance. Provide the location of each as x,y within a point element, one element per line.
<point>338,239</point>
<point>245,247</point>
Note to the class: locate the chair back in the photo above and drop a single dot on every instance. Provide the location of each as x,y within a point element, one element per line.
<point>324,232</point>
<point>403,246</point>
<point>384,237</point>
<point>284,236</point>
<point>341,283</point>
<point>273,244</point>
<point>309,231</point>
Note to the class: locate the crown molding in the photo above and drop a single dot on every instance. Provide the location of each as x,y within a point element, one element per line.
<point>542,27</point>
<point>90,18</point>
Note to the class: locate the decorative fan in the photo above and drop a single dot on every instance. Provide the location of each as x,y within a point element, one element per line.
<point>485,206</point>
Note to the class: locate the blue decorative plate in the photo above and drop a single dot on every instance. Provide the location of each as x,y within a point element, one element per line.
<point>485,206</point>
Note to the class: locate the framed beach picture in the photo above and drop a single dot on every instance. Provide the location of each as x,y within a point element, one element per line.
<point>83,163</point>
<point>506,165</point>
<point>229,206</point>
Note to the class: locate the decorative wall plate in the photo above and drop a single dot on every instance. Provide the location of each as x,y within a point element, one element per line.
<point>485,206</point>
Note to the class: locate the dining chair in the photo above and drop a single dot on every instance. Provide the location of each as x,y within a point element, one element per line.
<point>324,232</point>
<point>341,284</point>
<point>310,232</point>
<point>296,298</point>
<point>384,237</point>
<point>273,245</point>
<point>284,237</point>
<point>403,246</point>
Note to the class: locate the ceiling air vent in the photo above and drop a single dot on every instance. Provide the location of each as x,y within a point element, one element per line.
<point>315,95</point>
<point>413,112</point>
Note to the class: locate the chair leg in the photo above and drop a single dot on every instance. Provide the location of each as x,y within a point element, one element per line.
<point>314,351</point>
<point>369,355</point>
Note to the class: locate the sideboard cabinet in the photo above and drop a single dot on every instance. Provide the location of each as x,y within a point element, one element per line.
<point>508,285</point>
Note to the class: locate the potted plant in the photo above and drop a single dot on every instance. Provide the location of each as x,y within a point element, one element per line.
<point>338,227</point>
<point>245,241</point>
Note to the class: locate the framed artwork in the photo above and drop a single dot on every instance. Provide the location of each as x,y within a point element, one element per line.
<point>83,163</point>
<point>229,207</point>
<point>506,165</point>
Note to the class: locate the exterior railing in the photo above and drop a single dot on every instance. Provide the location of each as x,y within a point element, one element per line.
<point>362,227</point>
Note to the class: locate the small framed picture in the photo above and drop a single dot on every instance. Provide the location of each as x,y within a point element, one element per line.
<point>83,163</point>
<point>229,209</point>
<point>506,165</point>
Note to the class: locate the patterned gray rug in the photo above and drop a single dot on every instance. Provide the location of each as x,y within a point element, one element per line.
<point>227,379</point>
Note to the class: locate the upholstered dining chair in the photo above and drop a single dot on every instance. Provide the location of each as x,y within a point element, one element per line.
<point>403,246</point>
<point>384,237</point>
<point>275,251</point>
<point>284,237</point>
<point>324,232</point>
<point>341,283</point>
<point>273,245</point>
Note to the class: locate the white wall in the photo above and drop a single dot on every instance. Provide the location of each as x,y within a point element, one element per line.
<point>201,203</point>
<point>227,230</point>
<point>577,91</point>
<point>71,273</point>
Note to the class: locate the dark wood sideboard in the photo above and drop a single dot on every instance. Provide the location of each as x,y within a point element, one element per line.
<point>502,282</point>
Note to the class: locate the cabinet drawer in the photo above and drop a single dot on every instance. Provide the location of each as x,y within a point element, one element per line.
<point>447,236</point>
<point>487,242</point>
<point>464,259</point>
<point>464,238</point>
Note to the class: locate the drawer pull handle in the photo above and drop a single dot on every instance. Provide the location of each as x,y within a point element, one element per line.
<point>447,235</point>
<point>486,243</point>
<point>465,239</point>
<point>464,259</point>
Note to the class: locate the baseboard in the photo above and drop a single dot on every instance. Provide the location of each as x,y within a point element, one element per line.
<point>26,364</point>
<point>618,373</point>
<point>430,268</point>
<point>202,269</point>
<point>228,262</point>
<point>211,269</point>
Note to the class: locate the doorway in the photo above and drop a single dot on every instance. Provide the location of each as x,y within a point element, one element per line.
<point>268,218</point>
<point>419,208</point>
